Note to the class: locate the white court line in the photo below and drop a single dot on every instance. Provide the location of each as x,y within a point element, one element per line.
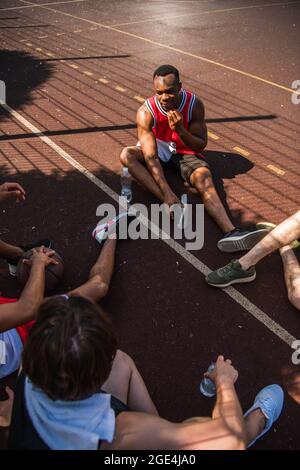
<point>34,5</point>
<point>207,12</point>
<point>180,51</point>
<point>256,312</point>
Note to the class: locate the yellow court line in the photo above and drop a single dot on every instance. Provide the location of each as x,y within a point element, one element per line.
<point>49,54</point>
<point>23,40</point>
<point>207,12</point>
<point>103,80</point>
<point>60,34</point>
<point>120,88</point>
<point>242,151</point>
<point>74,66</point>
<point>28,44</point>
<point>42,37</point>
<point>175,49</point>
<point>276,170</point>
<point>39,49</point>
<point>213,136</point>
<point>86,72</point>
<point>139,98</point>
<point>77,31</point>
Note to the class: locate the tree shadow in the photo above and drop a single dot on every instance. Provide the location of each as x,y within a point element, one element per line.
<point>22,73</point>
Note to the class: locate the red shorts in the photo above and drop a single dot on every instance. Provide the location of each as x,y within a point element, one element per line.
<point>23,330</point>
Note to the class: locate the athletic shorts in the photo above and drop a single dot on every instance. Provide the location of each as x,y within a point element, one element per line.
<point>183,163</point>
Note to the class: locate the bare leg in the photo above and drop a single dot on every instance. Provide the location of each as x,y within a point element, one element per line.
<point>100,275</point>
<point>283,234</point>
<point>126,384</point>
<point>132,158</point>
<point>255,423</point>
<point>201,180</point>
<point>292,275</point>
<point>10,251</point>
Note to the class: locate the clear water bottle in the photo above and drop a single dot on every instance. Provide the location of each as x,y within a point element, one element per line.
<point>183,219</point>
<point>126,190</point>
<point>207,386</point>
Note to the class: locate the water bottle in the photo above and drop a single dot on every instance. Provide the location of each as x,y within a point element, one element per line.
<point>182,219</point>
<point>207,386</point>
<point>126,185</point>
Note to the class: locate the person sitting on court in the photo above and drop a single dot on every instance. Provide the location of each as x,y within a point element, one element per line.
<point>172,131</point>
<point>283,237</point>
<point>78,391</point>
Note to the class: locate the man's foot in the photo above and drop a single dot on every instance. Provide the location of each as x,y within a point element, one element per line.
<point>239,239</point>
<point>13,262</point>
<point>270,402</point>
<point>230,274</point>
<point>269,226</point>
<point>113,228</point>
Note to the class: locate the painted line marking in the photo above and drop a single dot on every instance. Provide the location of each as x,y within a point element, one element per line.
<point>23,40</point>
<point>120,88</point>
<point>77,31</point>
<point>86,72</point>
<point>103,80</point>
<point>28,44</point>
<point>242,151</point>
<point>42,37</point>
<point>49,54</point>
<point>256,312</point>
<point>174,49</point>
<point>74,66</point>
<point>207,12</point>
<point>139,98</point>
<point>213,136</point>
<point>62,60</point>
<point>33,5</point>
<point>39,49</point>
<point>276,170</point>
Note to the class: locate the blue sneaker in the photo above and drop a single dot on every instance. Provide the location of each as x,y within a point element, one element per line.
<point>270,401</point>
<point>112,229</point>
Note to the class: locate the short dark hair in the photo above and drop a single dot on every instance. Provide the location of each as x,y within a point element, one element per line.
<point>164,70</point>
<point>70,349</point>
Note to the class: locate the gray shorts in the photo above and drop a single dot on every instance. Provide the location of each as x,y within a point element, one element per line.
<point>185,164</point>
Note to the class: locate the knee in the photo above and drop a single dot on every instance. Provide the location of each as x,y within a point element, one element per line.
<point>127,156</point>
<point>294,298</point>
<point>201,179</point>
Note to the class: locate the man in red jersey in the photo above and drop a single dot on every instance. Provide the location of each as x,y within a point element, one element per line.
<point>172,131</point>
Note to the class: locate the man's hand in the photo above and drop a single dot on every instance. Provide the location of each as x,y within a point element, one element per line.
<point>9,190</point>
<point>175,121</point>
<point>223,372</point>
<point>6,408</point>
<point>40,256</point>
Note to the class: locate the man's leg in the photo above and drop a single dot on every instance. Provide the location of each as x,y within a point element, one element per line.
<point>126,384</point>
<point>132,158</point>
<point>291,274</point>
<point>283,234</point>
<point>100,275</point>
<point>201,179</point>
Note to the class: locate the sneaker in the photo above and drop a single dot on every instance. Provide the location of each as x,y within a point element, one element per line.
<point>239,239</point>
<point>230,274</point>
<point>269,226</point>
<point>110,229</point>
<point>270,401</point>
<point>13,262</point>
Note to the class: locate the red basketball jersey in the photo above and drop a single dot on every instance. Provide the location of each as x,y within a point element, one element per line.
<point>161,128</point>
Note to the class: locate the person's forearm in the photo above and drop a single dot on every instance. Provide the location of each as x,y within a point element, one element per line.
<point>193,142</point>
<point>228,408</point>
<point>33,292</point>
<point>157,173</point>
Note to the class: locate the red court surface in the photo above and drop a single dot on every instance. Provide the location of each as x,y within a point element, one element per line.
<point>77,72</point>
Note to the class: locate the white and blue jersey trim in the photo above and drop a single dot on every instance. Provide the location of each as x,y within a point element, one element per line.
<point>149,107</point>
<point>191,105</point>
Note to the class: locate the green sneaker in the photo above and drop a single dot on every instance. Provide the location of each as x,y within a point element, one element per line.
<point>269,226</point>
<point>230,274</point>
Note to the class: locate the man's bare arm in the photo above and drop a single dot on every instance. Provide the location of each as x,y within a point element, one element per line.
<point>24,310</point>
<point>196,136</point>
<point>149,149</point>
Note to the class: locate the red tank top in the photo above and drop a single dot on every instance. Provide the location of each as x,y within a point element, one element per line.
<point>161,128</point>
